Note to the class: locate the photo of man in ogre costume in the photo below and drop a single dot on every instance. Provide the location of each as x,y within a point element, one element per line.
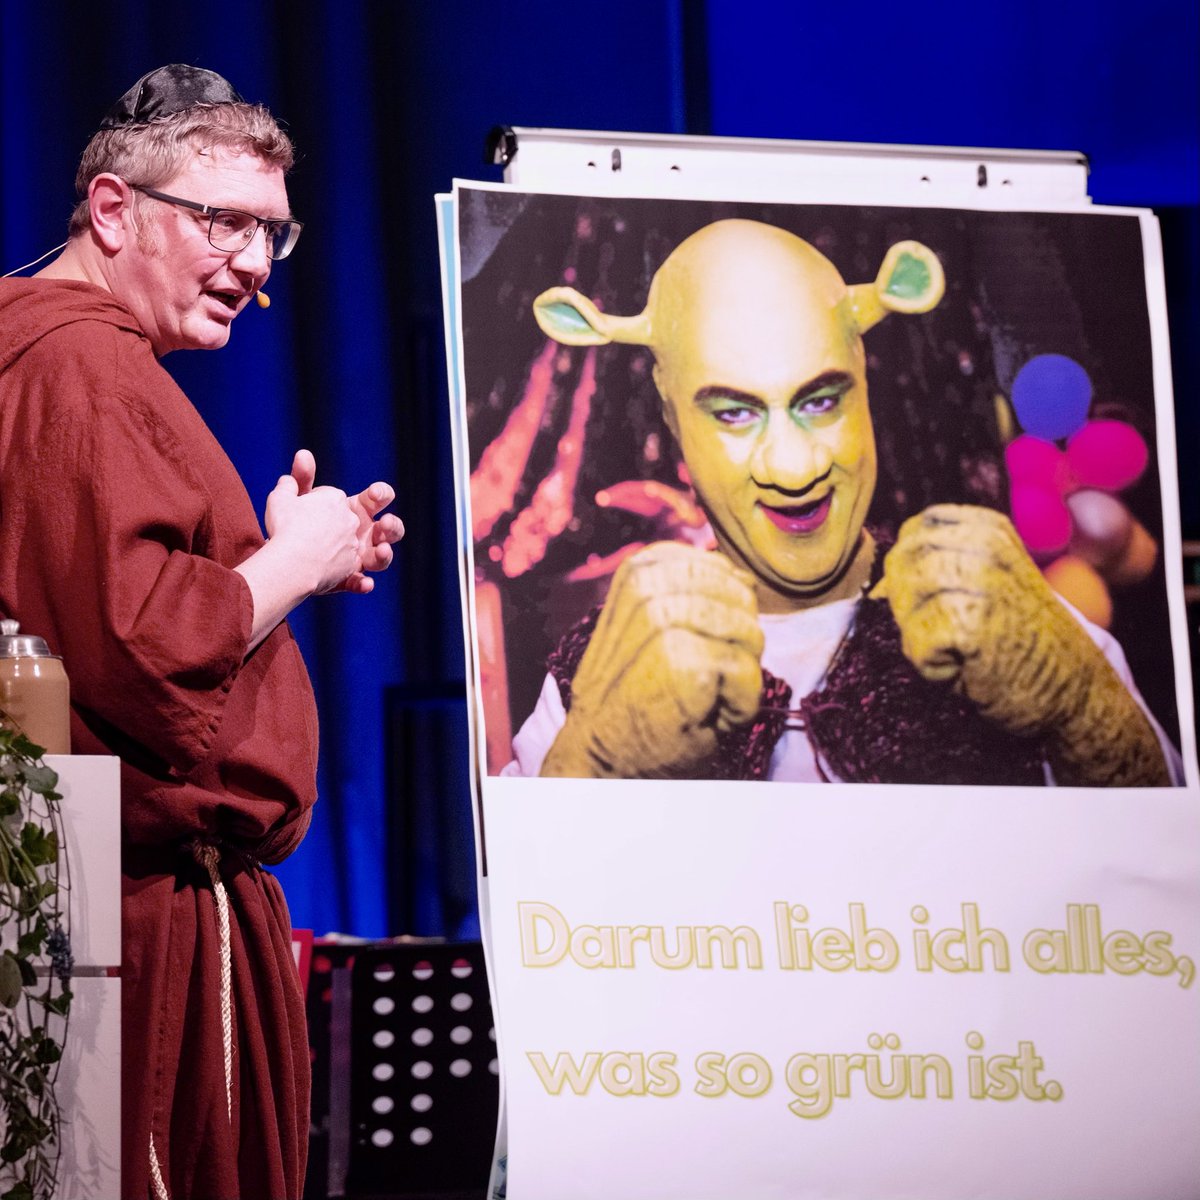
<point>809,646</point>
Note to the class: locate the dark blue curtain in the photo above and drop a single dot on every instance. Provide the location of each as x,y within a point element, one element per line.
<point>1118,81</point>
<point>387,103</point>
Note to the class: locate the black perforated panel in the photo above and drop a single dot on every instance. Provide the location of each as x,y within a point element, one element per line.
<point>424,1075</point>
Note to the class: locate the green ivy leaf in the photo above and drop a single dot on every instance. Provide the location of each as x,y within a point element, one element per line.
<point>48,1051</point>
<point>29,904</point>
<point>31,943</point>
<point>41,846</point>
<point>61,1004</point>
<point>18,1143</point>
<point>40,779</point>
<point>23,747</point>
<point>10,980</point>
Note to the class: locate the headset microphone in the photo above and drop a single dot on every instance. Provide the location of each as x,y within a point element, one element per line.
<point>264,301</point>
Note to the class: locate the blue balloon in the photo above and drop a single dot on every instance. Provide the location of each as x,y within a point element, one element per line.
<point>1051,395</point>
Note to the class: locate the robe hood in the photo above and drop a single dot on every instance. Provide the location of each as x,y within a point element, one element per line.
<point>32,308</point>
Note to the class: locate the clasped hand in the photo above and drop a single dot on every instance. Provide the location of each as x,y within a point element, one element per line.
<point>333,539</point>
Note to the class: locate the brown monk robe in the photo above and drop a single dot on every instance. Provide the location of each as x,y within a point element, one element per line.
<point>120,522</point>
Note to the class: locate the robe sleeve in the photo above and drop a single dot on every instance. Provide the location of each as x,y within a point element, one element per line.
<point>117,547</point>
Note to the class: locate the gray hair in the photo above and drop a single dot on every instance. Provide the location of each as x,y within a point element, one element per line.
<point>150,154</point>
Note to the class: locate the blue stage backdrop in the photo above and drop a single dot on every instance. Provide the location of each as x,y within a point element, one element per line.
<point>387,103</point>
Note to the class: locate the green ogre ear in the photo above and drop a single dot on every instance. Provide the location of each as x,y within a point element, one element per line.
<point>571,318</point>
<point>911,280</point>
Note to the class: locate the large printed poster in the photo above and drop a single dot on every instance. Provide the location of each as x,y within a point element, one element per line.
<point>838,817</point>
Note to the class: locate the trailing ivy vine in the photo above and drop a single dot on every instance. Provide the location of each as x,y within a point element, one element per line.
<point>34,1003</point>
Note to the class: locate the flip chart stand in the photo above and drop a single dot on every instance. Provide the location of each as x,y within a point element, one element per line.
<point>801,172</point>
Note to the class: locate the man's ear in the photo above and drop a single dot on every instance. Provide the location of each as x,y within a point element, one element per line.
<point>911,280</point>
<point>571,318</point>
<point>110,200</point>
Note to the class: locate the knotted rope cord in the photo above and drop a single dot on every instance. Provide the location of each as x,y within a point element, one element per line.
<point>156,1179</point>
<point>209,858</point>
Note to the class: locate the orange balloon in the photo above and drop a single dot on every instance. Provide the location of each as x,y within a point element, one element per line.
<point>1078,583</point>
<point>1141,553</point>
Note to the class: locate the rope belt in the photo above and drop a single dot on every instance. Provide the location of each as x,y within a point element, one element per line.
<point>209,858</point>
<point>156,1179</point>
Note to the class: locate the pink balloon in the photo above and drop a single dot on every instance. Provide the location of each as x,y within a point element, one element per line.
<point>1040,518</point>
<point>1034,461</point>
<point>1107,454</point>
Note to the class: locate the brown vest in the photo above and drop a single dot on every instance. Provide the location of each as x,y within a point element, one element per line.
<point>875,718</point>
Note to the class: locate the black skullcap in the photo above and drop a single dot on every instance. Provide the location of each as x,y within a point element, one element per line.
<point>168,90</point>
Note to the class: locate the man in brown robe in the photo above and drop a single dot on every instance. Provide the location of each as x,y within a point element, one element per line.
<point>129,543</point>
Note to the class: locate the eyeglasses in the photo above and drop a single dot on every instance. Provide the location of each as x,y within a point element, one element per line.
<point>232,230</point>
